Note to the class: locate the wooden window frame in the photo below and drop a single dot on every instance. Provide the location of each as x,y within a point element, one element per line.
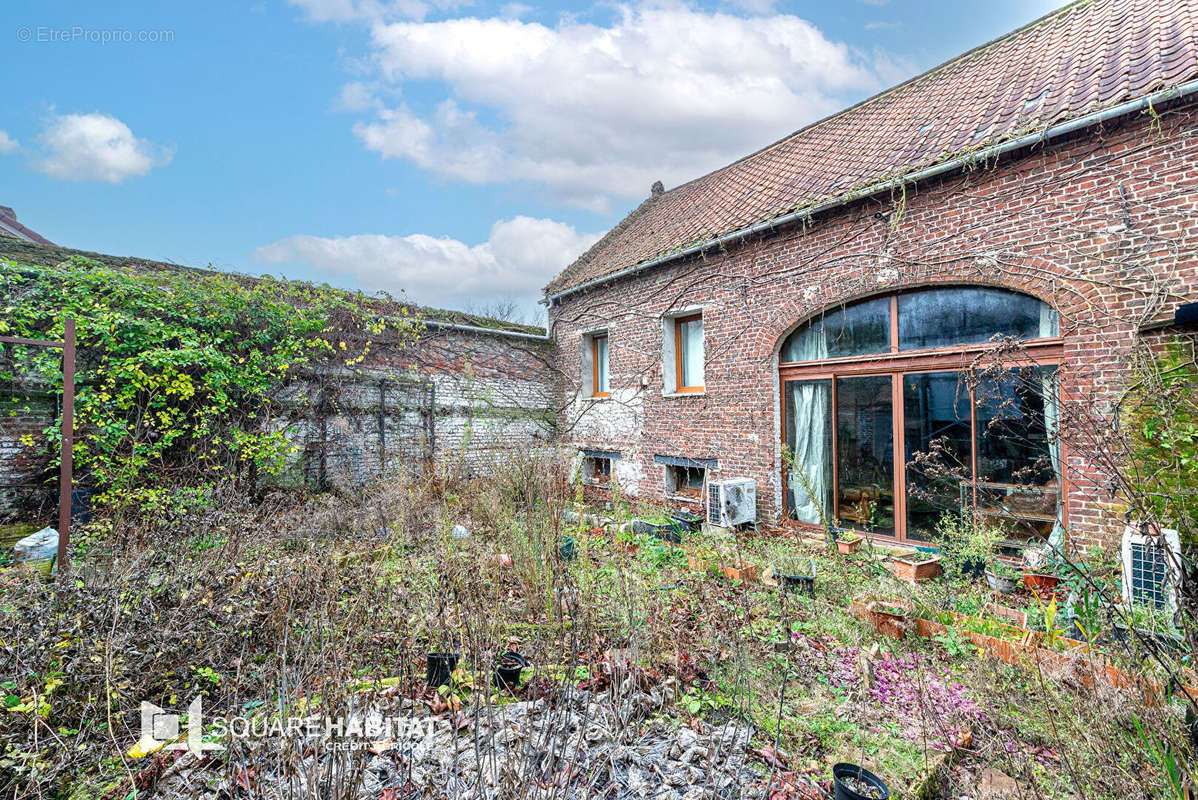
<point>595,337</point>
<point>679,388</point>
<point>1046,352</point>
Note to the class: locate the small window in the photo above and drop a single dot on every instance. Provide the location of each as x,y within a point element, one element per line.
<point>599,366</point>
<point>596,470</point>
<point>688,353</point>
<point>685,482</point>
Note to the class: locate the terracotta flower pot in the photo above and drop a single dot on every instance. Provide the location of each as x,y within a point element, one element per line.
<point>916,568</point>
<point>848,546</point>
<point>746,573</point>
<point>1040,583</point>
<point>888,620</point>
<point>696,562</point>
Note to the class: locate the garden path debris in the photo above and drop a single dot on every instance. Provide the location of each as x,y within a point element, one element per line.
<point>582,744</point>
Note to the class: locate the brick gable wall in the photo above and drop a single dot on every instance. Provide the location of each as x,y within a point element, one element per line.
<point>1104,226</point>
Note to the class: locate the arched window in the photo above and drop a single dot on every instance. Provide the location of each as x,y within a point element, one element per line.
<point>884,434</point>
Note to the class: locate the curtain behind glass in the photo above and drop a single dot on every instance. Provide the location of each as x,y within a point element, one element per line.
<point>1048,390</point>
<point>810,477</point>
<point>601,364</point>
<point>811,435</point>
<point>691,349</point>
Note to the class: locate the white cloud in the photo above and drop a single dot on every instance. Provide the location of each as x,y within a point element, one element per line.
<point>519,257</point>
<point>7,143</point>
<point>515,10</point>
<point>593,111</point>
<point>96,147</point>
<point>355,96</point>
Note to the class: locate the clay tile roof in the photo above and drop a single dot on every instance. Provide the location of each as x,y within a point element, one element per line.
<point>1089,55</point>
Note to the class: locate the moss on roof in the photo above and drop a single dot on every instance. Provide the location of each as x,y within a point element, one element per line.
<point>22,252</point>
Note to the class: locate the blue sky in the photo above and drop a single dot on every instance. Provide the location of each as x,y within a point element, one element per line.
<point>454,151</point>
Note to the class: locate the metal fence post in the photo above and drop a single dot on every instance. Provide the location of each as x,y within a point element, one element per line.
<point>65,478</point>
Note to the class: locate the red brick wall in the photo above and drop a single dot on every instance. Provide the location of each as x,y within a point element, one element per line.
<point>1103,226</point>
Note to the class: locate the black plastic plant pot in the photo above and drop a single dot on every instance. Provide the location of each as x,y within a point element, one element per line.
<point>802,583</point>
<point>566,549</point>
<point>857,783</point>
<point>686,520</point>
<point>439,666</point>
<point>508,667</point>
<point>666,533</point>
<point>973,568</point>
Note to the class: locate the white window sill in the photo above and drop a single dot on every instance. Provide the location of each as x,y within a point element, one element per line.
<point>702,393</point>
<point>698,501</point>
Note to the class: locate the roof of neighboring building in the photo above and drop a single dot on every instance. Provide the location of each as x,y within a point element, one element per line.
<point>25,252</point>
<point>10,228</point>
<point>1085,57</point>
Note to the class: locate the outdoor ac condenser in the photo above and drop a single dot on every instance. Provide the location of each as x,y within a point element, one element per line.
<point>1151,567</point>
<point>732,501</point>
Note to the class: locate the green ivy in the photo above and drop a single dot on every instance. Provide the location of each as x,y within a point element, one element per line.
<point>1162,419</point>
<point>177,371</point>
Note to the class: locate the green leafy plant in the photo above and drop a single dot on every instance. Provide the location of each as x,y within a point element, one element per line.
<point>954,643</point>
<point>1053,633</point>
<point>1177,778</point>
<point>1161,414</point>
<point>696,701</point>
<point>1005,569</point>
<point>178,371</point>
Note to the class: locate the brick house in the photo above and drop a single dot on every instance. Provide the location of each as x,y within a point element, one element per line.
<point>807,315</point>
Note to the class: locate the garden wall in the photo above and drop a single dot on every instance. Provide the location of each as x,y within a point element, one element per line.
<point>461,398</point>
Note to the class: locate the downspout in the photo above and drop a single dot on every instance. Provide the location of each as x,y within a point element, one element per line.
<point>1095,118</point>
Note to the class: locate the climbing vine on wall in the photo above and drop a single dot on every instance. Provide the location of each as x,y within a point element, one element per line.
<point>178,371</point>
<point>1161,417</point>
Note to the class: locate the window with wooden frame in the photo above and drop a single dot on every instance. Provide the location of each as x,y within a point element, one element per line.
<point>688,353</point>
<point>889,424</point>
<point>599,377</point>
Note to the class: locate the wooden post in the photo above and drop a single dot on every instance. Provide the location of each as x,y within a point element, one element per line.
<point>65,478</point>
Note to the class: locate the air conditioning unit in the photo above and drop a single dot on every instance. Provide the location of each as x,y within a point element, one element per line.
<point>732,501</point>
<point>1151,567</point>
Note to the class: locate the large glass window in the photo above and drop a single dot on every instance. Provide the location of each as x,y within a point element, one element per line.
<point>927,318</point>
<point>913,429</point>
<point>865,452</point>
<point>853,330</point>
<point>809,450</point>
<point>969,315</point>
<point>938,436</point>
<point>1017,458</point>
